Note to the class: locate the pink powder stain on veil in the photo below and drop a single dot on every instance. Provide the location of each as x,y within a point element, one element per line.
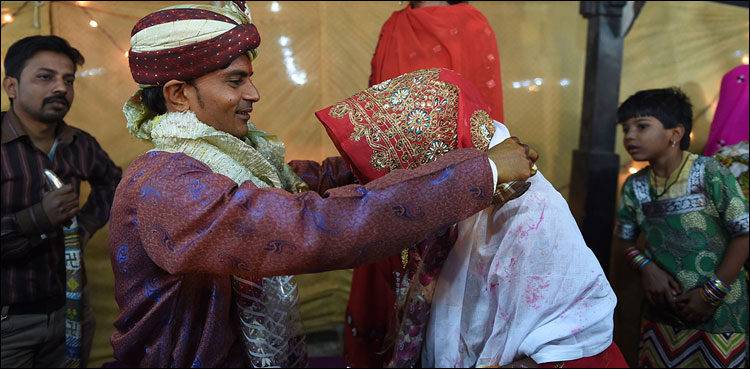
<point>522,233</point>
<point>533,293</point>
<point>582,302</point>
<point>508,272</point>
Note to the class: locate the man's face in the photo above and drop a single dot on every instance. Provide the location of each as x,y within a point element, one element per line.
<point>224,99</point>
<point>44,90</point>
<point>645,138</point>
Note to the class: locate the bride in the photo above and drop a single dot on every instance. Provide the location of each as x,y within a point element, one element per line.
<point>513,285</point>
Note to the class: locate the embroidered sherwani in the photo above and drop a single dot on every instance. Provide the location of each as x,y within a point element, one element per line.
<point>179,230</point>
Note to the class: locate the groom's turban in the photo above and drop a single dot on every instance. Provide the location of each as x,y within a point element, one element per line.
<point>188,41</point>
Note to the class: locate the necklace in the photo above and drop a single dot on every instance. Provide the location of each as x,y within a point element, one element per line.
<point>667,185</point>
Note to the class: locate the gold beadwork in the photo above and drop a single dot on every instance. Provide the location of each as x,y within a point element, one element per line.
<point>482,129</point>
<point>399,124</point>
<point>405,257</point>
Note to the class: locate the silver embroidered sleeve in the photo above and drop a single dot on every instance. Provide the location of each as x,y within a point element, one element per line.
<point>739,226</point>
<point>270,322</point>
<point>626,231</point>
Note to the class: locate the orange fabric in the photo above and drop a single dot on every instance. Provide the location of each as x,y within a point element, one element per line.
<point>456,37</point>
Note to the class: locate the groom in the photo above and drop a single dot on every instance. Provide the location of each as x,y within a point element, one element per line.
<point>215,199</point>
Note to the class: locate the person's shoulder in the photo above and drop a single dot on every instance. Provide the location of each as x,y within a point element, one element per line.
<point>471,19</point>
<point>80,134</point>
<point>168,161</point>
<point>707,160</point>
<point>469,11</point>
<point>162,164</point>
<point>716,172</point>
<point>641,173</point>
<point>395,14</point>
<point>162,167</point>
<point>76,130</point>
<point>711,166</point>
<point>469,8</point>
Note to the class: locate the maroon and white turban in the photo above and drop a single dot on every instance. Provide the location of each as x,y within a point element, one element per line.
<point>182,43</point>
<point>188,41</point>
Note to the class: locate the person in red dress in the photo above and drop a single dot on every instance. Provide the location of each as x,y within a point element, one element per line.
<point>423,35</point>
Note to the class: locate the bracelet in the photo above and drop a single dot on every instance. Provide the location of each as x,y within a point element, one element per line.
<point>636,260</point>
<point>715,288</point>
<point>718,284</point>
<point>639,262</point>
<point>631,253</point>
<point>711,300</point>
<point>714,291</point>
<point>710,288</point>
<point>710,293</point>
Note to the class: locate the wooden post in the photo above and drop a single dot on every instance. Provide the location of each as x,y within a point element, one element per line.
<point>595,164</point>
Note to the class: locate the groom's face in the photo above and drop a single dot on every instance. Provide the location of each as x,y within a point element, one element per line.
<point>224,98</point>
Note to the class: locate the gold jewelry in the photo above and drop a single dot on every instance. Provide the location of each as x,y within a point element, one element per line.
<point>405,257</point>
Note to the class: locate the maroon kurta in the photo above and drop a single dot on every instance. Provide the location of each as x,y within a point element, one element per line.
<point>178,231</point>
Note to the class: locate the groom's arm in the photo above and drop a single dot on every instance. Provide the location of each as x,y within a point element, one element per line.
<point>333,172</point>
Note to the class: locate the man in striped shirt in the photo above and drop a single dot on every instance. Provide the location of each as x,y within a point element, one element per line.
<point>40,72</point>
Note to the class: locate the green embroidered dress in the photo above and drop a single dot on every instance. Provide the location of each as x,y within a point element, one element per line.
<point>687,232</point>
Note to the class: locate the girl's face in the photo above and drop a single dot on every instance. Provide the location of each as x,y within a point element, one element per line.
<point>646,139</point>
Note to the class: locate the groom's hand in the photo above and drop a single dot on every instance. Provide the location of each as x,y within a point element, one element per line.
<point>513,159</point>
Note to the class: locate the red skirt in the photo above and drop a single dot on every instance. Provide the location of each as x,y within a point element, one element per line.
<point>609,358</point>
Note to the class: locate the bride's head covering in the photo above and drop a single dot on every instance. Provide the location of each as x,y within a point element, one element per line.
<point>408,121</point>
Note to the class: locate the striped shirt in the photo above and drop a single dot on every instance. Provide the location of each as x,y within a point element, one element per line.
<point>33,269</point>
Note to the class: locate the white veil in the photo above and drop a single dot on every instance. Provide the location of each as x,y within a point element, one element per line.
<point>520,281</point>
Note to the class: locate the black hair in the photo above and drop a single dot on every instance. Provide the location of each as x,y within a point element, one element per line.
<point>24,49</point>
<point>669,105</point>
<point>153,98</point>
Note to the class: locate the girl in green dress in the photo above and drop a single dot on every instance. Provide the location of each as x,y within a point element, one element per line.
<point>694,219</point>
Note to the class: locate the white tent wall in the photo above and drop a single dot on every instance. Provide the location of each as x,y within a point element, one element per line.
<point>314,53</point>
